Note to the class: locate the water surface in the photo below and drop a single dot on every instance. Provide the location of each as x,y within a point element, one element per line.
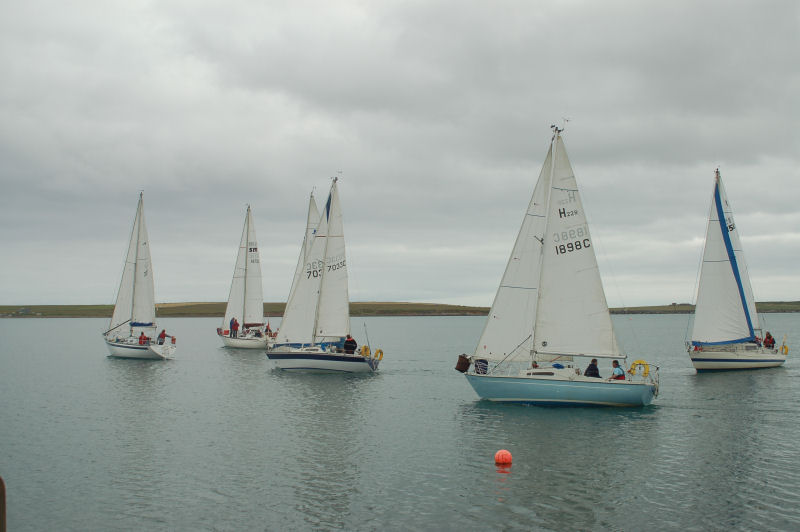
<point>217,440</point>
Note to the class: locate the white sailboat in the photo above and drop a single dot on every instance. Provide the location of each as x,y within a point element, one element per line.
<point>550,308</point>
<point>317,316</point>
<point>246,299</point>
<point>726,333</point>
<point>131,333</point>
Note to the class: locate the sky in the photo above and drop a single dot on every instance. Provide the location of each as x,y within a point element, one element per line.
<point>434,114</point>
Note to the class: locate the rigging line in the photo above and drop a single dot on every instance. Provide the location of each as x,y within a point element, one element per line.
<point>115,327</point>
<point>511,352</point>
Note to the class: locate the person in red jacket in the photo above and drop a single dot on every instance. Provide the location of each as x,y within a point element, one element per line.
<point>162,337</point>
<point>142,339</point>
<point>235,328</point>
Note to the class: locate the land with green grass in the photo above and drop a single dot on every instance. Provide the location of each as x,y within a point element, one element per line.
<point>357,308</point>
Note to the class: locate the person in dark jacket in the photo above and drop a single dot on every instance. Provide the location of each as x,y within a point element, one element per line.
<point>350,345</point>
<point>591,369</point>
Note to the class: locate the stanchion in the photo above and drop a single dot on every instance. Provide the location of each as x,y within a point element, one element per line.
<point>2,505</point>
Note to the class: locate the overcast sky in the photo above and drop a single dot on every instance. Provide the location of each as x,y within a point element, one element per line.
<point>436,113</point>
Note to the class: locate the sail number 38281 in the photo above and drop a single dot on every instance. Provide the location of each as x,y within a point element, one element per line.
<point>572,246</point>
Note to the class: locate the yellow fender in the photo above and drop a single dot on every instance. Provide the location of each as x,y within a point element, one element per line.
<point>379,354</point>
<point>364,351</point>
<point>644,365</point>
<point>784,349</point>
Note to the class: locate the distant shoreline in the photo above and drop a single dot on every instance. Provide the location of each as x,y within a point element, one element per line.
<point>357,309</point>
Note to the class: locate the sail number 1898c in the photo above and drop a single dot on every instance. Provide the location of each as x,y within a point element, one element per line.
<point>572,240</point>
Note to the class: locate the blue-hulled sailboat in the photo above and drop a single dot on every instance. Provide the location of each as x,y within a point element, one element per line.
<point>550,309</point>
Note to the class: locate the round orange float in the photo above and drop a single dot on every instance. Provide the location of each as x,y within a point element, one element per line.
<point>502,457</point>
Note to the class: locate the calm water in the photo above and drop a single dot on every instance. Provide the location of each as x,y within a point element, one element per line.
<point>217,440</point>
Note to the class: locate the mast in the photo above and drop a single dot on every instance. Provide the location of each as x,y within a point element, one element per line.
<point>554,146</point>
<point>324,259</point>
<point>246,261</point>
<point>136,257</point>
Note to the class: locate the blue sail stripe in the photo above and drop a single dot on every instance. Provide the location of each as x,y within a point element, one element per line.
<point>732,256</point>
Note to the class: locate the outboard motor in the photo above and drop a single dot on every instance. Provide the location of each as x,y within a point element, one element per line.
<point>463,363</point>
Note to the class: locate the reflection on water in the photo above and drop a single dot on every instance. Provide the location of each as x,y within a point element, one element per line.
<point>331,412</point>
<point>216,439</point>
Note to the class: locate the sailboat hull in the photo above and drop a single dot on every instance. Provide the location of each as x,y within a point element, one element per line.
<point>143,352</point>
<point>322,362</point>
<point>554,391</point>
<point>248,342</point>
<point>728,360</point>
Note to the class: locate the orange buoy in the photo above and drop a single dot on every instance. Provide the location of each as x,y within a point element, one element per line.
<point>502,457</point>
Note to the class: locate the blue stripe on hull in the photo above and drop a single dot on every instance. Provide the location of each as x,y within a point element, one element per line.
<point>128,346</point>
<point>323,362</point>
<point>315,356</point>
<point>561,392</point>
<point>739,360</point>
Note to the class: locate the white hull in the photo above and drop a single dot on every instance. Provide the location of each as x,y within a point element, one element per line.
<point>314,360</point>
<point>709,360</point>
<point>144,352</point>
<point>248,342</point>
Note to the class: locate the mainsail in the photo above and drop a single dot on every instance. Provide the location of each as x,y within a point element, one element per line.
<point>246,299</point>
<point>135,305</point>
<point>725,311</point>
<point>551,303</point>
<point>333,308</point>
<point>572,316</point>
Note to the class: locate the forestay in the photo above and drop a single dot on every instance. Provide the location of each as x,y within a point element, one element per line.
<point>725,311</point>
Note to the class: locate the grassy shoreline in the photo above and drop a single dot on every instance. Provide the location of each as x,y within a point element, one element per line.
<point>365,308</point>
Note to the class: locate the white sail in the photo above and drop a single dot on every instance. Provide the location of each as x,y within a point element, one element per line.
<point>312,220</point>
<point>246,299</point>
<point>725,311</point>
<point>297,325</point>
<point>333,311</point>
<point>572,316</point>
<point>135,305</point>
<point>508,333</point>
